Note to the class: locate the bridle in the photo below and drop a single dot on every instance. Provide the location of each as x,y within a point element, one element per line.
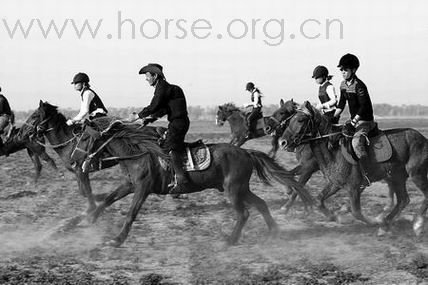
<point>309,134</point>
<point>280,124</point>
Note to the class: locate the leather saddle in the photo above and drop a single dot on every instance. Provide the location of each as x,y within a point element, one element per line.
<point>378,146</point>
<point>196,156</point>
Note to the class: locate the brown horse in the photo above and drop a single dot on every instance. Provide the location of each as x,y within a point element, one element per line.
<point>307,164</point>
<point>239,127</point>
<point>17,142</point>
<point>409,159</point>
<point>142,161</point>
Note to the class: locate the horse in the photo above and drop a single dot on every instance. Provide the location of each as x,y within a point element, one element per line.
<point>16,142</point>
<point>409,159</point>
<point>142,162</point>
<point>239,127</point>
<point>64,142</point>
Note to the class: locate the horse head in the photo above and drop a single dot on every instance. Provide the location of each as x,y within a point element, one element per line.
<point>224,112</point>
<point>304,124</point>
<point>43,119</point>
<point>278,121</point>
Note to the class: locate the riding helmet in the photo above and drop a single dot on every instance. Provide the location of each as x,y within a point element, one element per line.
<point>320,71</point>
<point>80,78</point>
<point>349,61</point>
<point>250,86</point>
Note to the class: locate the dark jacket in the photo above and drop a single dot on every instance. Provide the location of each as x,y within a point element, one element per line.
<point>168,100</point>
<point>4,106</point>
<point>358,99</point>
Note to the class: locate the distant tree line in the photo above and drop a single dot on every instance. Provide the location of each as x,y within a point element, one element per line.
<point>208,113</point>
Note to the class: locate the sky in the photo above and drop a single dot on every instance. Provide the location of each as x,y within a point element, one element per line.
<point>211,49</point>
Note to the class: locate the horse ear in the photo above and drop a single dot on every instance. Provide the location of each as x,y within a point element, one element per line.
<point>220,107</point>
<point>281,103</point>
<point>292,101</point>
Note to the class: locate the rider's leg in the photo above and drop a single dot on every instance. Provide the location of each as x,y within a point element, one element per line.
<point>359,143</point>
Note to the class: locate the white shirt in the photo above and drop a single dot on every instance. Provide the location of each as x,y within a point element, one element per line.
<point>255,102</point>
<point>87,97</point>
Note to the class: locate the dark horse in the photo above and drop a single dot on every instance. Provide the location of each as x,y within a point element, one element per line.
<point>142,161</point>
<point>409,158</point>
<point>17,142</point>
<point>238,125</point>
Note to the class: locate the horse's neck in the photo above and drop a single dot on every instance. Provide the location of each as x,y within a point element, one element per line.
<point>236,121</point>
<point>59,136</point>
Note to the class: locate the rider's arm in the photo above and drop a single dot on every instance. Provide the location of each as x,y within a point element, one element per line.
<point>331,92</point>
<point>87,97</point>
<point>2,104</point>
<point>256,99</point>
<point>363,100</point>
<point>341,104</point>
<point>157,102</point>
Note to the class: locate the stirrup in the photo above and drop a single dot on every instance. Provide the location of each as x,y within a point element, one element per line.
<point>365,181</point>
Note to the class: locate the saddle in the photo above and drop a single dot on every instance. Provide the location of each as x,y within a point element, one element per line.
<point>196,156</point>
<point>378,146</point>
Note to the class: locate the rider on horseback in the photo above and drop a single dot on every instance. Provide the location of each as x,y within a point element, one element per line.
<point>6,116</point>
<point>354,91</point>
<point>168,100</point>
<point>326,93</point>
<point>256,112</point>
<point>91,103</point>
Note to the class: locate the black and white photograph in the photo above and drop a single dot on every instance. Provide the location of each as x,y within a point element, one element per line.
<point>213,142</point>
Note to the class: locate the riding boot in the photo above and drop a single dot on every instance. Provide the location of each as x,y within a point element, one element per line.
<point>182,180</point>
<point>364,163</point>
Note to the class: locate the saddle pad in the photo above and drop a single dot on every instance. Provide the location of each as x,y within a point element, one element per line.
<point>379,149</point>
<point>196,158</point>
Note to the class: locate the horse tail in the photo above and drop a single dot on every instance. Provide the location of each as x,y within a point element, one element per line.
<point>267,169</point>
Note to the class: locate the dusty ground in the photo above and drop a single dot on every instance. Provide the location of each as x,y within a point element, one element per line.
<point>182,241</point>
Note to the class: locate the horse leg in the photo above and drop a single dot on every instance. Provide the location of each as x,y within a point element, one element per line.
<point>122,191</point>
<point>37,164</point>
<point>306,173</point>
<point>397,186</point>
<point>48,160</point>
<point>261,206</point>
<point>86,190</point>
<point>236,198</point>
<point>329,190</point>
<point>421,182</point>
<point>355,197</point>
<point>140,196</point>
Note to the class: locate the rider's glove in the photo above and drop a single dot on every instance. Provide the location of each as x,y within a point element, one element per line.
<point>69,122</point>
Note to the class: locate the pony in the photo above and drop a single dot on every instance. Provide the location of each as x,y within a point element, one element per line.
<point>142,162</point>
<point>239,127</point>
<point>409,159</point>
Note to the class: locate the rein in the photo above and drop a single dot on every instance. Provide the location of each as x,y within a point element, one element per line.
<point>56,145</point>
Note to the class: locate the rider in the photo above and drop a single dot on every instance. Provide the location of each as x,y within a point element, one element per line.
<point>326,93</point>
<point>256,103</point>
<point>6,115</point>
<point>354,91</point>
<point>91,103</point>
<point>168,100</point>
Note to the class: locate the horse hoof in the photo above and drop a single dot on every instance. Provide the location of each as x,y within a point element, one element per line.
<point>379,219</point>
<point>381,232</point>
<point>418,225</point>
<point>113,243</point>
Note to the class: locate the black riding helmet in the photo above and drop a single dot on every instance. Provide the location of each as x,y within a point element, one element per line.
<point>250,86</point>
<point>320,71</point>
<point>80,78</point>
<point>349,61</point>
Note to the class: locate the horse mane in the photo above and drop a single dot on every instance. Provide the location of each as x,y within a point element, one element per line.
<point>229,107</point>
<point>60,119</point>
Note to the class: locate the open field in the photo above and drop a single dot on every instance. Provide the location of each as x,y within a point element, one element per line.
<point>181,241</point>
